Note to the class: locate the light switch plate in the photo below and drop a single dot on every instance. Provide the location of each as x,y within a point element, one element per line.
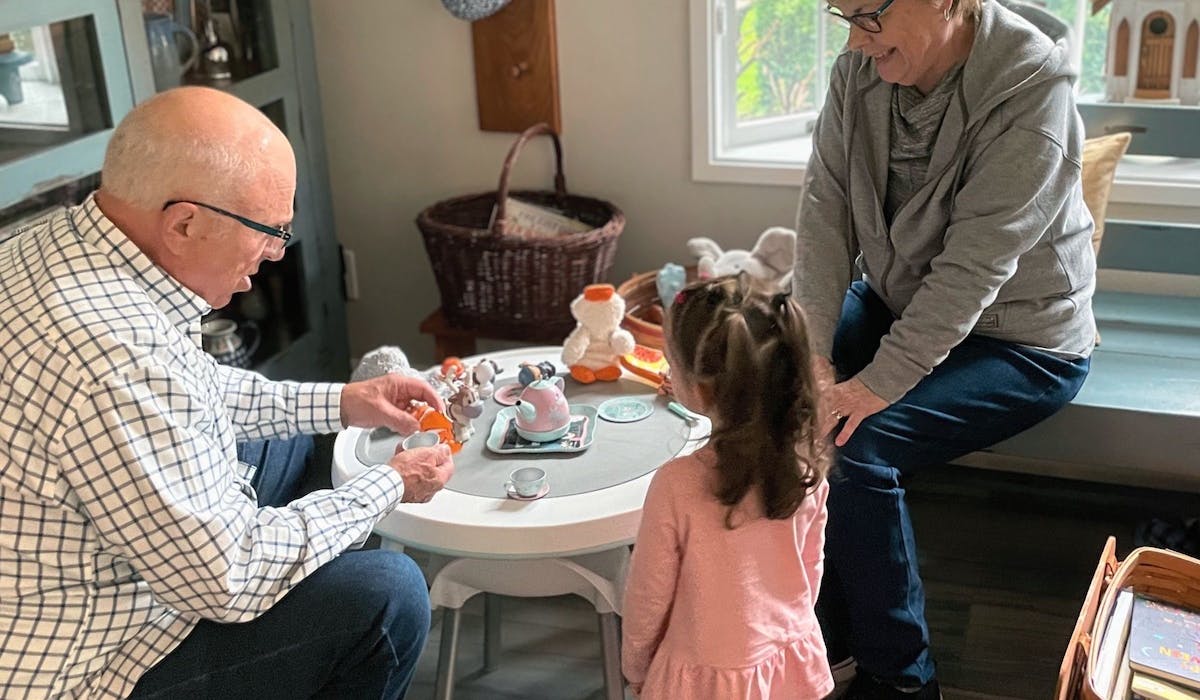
<point>350,274</point>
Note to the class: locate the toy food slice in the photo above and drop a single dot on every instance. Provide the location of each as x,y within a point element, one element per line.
<point>646,362</point>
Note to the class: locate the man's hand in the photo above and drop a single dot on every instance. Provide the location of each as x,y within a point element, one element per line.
<point>384,401</point>
<point>425,471</point>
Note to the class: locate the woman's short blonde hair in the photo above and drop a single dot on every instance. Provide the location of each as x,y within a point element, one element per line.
<point>972,9</point>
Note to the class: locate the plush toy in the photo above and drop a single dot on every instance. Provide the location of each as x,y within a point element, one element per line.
<point>770,260</point>
<point>594,348</point>
<point>384,360</point>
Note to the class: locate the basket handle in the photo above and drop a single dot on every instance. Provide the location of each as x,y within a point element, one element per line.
<point>560,182</point>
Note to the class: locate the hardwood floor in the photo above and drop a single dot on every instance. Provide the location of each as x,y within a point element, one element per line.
<point>1006,561</point>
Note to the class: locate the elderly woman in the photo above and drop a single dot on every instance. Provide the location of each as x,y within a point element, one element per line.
<point>945,264</point>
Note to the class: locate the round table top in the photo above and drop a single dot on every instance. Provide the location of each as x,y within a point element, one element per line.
<point>460,524</point>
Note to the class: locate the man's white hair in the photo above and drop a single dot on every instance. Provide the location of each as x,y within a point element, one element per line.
<point>148,163</point>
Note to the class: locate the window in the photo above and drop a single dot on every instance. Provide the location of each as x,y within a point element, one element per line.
<point>760,69</point>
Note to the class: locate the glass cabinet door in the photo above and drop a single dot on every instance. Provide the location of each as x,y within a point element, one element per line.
<point>64,83</point>
<point>209,42</point>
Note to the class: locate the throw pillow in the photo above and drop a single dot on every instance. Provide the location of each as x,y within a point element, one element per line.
<point>1100,158</point>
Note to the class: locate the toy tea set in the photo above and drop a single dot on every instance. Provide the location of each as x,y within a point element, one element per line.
<point>537,417</point>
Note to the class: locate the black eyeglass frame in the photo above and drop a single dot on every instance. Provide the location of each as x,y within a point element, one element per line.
<point>866,21</point>
<point>284,232</point>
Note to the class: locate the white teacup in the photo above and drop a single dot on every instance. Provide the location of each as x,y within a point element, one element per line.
<point>526,482</point>
<point>427,438</point>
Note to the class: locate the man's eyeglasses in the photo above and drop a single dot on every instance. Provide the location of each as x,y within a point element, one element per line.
<point>284,232</point>
<point>866,21</point>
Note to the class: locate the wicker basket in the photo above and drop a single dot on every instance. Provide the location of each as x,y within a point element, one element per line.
<point>1159,573</point>
<point>643,309</point>
<point>514,287</point>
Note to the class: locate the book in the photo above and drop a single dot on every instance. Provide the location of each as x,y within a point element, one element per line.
<point>1123,688</point>
<point>525,220</point>
<point>1164,642</point>
<point>1112,646</point>
<point>1147,688</point>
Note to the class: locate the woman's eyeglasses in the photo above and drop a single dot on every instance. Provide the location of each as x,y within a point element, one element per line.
<point>866,21</point>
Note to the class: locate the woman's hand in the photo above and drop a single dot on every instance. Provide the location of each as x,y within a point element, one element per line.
<point>384,401</point>
<point>848,403</point>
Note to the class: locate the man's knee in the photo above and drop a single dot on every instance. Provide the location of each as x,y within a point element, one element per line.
<point>380,592</point>
<point>398,585</point>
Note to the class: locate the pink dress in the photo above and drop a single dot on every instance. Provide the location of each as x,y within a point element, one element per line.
<point>717,613</point>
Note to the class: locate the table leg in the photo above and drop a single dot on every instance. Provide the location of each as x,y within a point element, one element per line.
<point>610,638</point>
<point>444,686</point>
<point>491,632</point>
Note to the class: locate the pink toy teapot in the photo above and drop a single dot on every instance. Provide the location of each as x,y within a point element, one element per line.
<point>542,413</point>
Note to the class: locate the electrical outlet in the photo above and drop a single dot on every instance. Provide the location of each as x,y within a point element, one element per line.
<point>350,274</point>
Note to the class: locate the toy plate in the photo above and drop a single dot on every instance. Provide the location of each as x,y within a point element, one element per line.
<point>507,394</point>
<point>505,440</point>
<point>625,409</point>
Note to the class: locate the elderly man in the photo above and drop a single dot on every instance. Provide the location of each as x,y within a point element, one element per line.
<point>129,538</point>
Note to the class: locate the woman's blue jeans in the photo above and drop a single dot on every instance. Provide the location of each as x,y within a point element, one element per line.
<point>872,604</point>
<point>353,629</point>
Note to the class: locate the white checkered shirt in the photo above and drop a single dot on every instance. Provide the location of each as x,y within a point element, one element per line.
<point>124,517</point>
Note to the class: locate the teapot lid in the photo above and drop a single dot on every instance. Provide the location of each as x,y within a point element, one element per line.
<point>546,383</point>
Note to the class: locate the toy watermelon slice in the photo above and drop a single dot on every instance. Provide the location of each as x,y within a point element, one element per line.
<point>646,362</point>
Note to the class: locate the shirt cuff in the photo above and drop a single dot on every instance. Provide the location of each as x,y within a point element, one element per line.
<point>319,408</point>
<point>379,487</point>
<point>889,384</point>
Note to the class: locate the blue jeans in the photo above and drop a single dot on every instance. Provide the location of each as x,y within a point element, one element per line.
<point>352,629</point>
<point>872,604</point>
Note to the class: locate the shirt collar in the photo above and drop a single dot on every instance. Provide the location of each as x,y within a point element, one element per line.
<point>182,307</point>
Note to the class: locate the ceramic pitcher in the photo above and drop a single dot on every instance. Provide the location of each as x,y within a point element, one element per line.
<point>219,337</point>
<point>162,32</point>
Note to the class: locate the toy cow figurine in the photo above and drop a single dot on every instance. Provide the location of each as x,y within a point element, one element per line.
<point>463,407</point>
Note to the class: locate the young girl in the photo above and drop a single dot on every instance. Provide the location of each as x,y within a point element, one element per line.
<point>719,599</point>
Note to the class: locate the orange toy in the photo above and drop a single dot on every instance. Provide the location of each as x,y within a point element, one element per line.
<point>452,368</point>
<point>429,418</point>
<point>646,362</point>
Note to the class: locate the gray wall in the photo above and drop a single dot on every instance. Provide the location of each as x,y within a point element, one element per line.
<point>398,93</point>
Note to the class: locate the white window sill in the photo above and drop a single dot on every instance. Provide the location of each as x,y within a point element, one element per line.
<point>1157,181</point>
<point>1142,180</point>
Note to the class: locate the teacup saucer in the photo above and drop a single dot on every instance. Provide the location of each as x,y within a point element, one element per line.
<point>517,497</point>
<point>507,394</point>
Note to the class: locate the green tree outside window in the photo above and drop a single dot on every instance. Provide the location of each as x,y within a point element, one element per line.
<point>777,62</point>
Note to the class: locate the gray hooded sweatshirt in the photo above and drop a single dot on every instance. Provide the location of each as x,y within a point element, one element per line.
<point>996,241</point>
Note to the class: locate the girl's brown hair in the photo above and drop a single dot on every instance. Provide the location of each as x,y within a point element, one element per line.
<point>752,349</point>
